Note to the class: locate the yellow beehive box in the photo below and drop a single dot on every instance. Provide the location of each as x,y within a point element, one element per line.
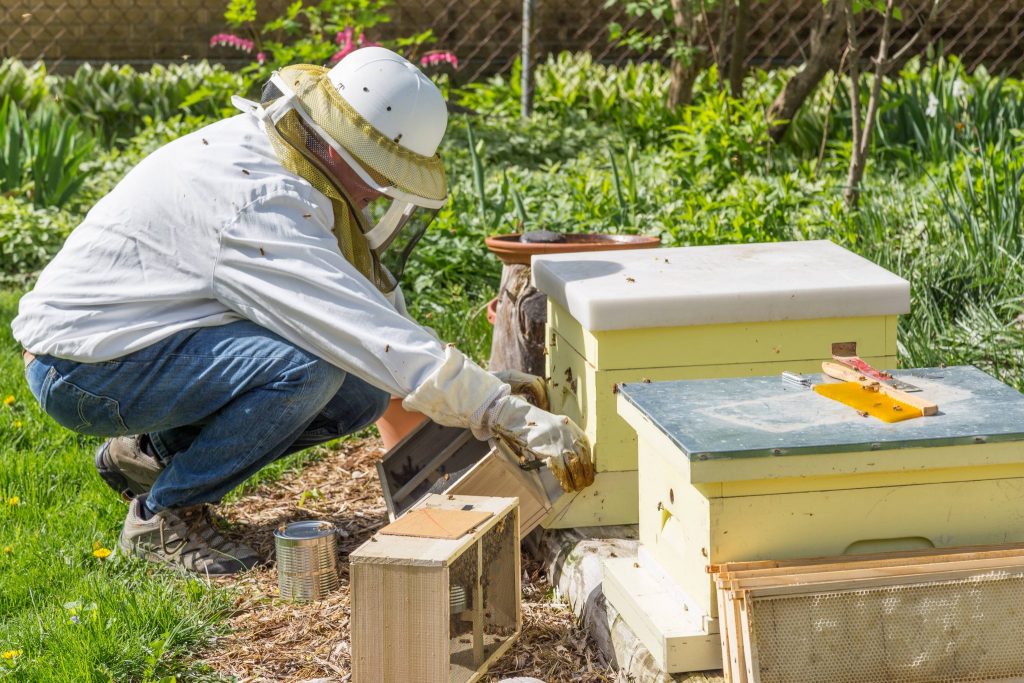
<point>692,313</point>
<point>747,469</point>
<point>752,469</point>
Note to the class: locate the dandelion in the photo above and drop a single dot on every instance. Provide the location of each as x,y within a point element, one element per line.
<point>439,57</point>
<point>10,654</point>
<point>101,553</point>
<point>14,500</point>
<point>933,106</point>
<point>9,400</point>
<point>8,549</point>
<point>17,424</point>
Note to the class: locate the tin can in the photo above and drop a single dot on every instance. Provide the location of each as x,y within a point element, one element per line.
<point>307,560</point>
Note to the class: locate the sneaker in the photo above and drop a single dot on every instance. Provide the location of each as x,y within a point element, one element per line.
<point>184,539</point>
<point>126,467</point>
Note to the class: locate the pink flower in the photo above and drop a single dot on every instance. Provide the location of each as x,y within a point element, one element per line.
<point>344,39</point>
<point>234,41</point>
<point>261,57</point>
<point>367,43</point>
<point>439,57</point>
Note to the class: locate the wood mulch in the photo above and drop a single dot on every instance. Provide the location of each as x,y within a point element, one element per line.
<point>274,640</point>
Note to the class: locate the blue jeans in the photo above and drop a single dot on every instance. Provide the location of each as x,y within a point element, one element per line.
<point>218,403</point>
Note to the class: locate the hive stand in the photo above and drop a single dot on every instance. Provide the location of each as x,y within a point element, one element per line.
<point>692,313</point>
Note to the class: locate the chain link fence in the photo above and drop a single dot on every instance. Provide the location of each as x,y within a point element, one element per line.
<point>484,34</point>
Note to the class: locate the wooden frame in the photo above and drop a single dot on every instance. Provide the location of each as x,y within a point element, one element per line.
<point>743,585</point>
<point>403,626</point>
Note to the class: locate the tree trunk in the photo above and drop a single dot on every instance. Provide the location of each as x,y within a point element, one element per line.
<point>683,72</point>
<point>826,47</point>
<point>518,342</point>
<point>738,50</point>
<point>862,132</point>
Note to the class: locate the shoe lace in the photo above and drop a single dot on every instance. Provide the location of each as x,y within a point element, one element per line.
<point>197,520</point>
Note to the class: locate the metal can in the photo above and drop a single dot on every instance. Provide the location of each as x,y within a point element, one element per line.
<point>307,560</point>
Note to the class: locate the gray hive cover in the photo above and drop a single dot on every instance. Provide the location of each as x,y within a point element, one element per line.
<point>763,416</point>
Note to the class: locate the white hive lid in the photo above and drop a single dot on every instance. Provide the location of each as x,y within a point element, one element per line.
<point>619,290</point>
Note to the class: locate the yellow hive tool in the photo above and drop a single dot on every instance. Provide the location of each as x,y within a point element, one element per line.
<point>871,397</point>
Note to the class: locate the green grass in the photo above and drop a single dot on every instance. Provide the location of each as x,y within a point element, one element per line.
<point>134,622</point>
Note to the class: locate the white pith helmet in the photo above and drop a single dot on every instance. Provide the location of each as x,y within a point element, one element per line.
<point>394,97</point>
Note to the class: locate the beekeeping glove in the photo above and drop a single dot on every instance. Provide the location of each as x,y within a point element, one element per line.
<point>462,394</point>
<point>531,387</point>
<point>536,436</point>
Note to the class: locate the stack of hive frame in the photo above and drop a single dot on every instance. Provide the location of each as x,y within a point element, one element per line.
<point>949,615</point>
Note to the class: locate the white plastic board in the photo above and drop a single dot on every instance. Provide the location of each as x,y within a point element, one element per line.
<point>619,290</point>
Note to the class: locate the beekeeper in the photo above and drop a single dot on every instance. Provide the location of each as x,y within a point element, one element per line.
<point>235,298</point>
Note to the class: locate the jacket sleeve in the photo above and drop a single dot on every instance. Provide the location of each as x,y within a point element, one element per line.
<point>279,266</point>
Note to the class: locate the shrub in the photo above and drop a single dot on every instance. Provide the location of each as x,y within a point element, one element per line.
<point>27,86</point>
<point>118,100</point>
<point>29,236</point>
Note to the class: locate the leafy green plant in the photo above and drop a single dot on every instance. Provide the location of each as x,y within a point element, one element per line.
<point>669,28</point>
<point>27,86</point>
<point>13,147</point>
<point>29,236</point>
<point>118,100</point>
<point>42,156</point>
<point>57,151</point>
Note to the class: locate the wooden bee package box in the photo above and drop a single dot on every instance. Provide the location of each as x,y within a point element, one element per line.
<point>696,313</point>
<point>436,594</point>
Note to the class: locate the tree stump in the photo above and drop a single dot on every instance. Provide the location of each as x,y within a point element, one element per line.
<point>518,342</point>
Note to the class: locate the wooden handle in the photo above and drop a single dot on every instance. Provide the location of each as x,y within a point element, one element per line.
<point>842,372</point>
<point>850,375</point>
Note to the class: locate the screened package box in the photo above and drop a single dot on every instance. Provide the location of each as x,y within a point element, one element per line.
<point>694,313</point>
<point>436,594</point>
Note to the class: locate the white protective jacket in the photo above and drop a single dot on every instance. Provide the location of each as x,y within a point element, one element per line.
<point>210,229</point>
<point>207,230</point>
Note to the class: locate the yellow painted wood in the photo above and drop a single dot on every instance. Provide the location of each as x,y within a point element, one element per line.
<point>672,509</point>
<point>587,396</point>
<point>757,342</point>
<point>611,499</point>
<point>701,513</point>
<point>583,367</point>
<point>792,473</point>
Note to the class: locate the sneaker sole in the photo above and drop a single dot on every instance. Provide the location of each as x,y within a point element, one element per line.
<point>124,487</point>
<point>157,558</point>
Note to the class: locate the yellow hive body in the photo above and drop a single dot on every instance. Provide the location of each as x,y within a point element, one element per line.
<point>900,487</point>
<point>693,313</point>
